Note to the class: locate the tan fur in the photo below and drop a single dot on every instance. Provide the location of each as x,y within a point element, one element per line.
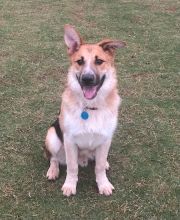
<point>90,139</point>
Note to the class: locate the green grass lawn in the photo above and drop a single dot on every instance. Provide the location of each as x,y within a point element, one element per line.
<point>144,157</point>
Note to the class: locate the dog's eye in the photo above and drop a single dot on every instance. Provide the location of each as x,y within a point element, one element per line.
<point>80,61</point>
<point>98,61</point>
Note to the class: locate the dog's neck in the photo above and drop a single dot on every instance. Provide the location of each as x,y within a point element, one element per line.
<point>91,108</point>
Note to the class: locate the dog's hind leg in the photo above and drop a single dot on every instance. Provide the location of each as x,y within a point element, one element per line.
<point>55,151</point>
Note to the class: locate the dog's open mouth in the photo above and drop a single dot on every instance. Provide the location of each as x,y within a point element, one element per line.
<point>91,91</point>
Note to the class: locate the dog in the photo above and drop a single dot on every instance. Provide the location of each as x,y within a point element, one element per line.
<point>88,114</point>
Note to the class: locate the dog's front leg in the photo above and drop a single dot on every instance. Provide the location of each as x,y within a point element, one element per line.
<point>69,187</point>
<point>104,186</point>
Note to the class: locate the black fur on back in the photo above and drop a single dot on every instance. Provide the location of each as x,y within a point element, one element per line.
<point>57,127</point>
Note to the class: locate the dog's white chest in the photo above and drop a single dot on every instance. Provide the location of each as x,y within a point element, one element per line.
<point>89,140</point>
<point>92,132</point>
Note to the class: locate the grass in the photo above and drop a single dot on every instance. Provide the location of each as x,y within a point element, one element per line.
<point>145,153</point>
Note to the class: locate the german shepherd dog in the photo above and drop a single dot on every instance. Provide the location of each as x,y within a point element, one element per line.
<point>88,112</point>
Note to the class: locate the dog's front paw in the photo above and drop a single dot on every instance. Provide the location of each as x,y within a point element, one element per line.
<point>69,189</point>
<point>106,188</point>
<point>52,173</point>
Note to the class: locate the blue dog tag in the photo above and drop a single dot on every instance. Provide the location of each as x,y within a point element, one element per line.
<point>84,115</point>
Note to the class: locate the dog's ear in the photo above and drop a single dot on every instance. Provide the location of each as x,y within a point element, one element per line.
<point>111,45</point>
<point>72,39</point>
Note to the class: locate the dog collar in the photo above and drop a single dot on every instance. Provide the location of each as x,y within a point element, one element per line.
<point>85,114</point>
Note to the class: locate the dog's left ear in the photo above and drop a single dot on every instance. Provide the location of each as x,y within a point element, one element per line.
<point>72,39</point>
<point>111,45</point>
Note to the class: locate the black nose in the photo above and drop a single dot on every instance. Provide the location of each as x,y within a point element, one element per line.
<point>88,79</point>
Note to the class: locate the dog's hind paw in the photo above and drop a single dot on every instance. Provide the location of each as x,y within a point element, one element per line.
<point>107,165</point>
<point>69,189</point>
<point>106,188</point>
<point>52,173</point>
<point>83,162</point>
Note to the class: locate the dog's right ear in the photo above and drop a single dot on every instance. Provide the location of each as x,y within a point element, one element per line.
<point>72,39</point>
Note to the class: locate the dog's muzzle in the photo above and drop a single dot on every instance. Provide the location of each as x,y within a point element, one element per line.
<point>90,84</point>
<point>88,79</point>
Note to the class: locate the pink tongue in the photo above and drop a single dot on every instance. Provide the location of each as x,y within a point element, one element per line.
<point>89,92</point>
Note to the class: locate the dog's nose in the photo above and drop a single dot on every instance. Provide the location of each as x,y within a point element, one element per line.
<point>88,79</point>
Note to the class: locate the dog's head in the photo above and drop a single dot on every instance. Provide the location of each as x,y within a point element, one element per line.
<point>91,64</point>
